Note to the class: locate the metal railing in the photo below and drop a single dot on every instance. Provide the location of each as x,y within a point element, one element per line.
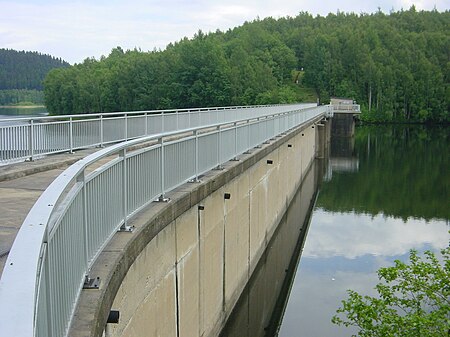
<point>80,211</point>
<point>29,138</point>
<point>347,108</point>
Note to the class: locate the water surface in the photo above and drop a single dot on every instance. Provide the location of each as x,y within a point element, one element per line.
<point>13,112</point>
<point>367,215</point>
<point>385,191</point>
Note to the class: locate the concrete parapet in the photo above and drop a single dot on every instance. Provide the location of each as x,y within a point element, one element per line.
<point>183,268</point>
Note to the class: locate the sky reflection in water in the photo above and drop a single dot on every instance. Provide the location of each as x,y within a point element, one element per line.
<point>344,251</point>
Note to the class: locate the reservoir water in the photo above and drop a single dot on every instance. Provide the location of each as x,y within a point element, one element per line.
<point>15,112</point>
<point>380,194</point>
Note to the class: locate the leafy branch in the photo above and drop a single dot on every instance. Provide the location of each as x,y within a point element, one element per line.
<point>413,300</point>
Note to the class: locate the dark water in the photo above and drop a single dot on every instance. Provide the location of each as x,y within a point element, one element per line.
<point>385,192</point>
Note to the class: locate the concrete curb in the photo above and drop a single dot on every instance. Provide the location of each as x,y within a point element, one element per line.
<point>51,162</point>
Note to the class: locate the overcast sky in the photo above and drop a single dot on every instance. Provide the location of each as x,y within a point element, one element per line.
<point>77,29</point>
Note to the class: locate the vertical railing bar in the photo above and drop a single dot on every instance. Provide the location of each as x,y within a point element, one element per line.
<point>123,156</point>
<point>258,138</point>
<point>48,294</point>
<point>71,134</point>
<point>235,141</point>
<point>248,135</point>
<point>196,155</point>
<point>162,168</point>
<point>126,127</point>
<point>101,130</point>
<point>163,196</point>
<point>31,140</point>
<point>82,179</point>
<point>219,148</point>
<point>146,123</point>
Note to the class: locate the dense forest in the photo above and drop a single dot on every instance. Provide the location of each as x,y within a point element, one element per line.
<point>22,74</point>
<point>21,96</point>
<point>395,65</point>
<point>25,69</point>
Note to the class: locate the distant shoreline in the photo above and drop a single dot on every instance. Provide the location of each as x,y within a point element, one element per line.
<point>21,106</point>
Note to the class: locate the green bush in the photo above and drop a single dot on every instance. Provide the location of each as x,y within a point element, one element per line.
<point>413,300</point>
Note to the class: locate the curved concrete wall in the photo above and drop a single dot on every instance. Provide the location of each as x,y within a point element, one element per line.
<point>182,270</point>
<point>260,307</point>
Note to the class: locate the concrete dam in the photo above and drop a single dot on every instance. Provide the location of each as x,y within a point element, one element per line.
<point>191,260</point>
<point>177,266</point>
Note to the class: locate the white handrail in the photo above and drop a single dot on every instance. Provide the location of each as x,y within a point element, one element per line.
<point>29,138</point>
<point>79,212</point>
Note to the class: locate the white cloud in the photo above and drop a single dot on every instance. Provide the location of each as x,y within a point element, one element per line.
<point>352,235</point>
<point>314,299</point>
<point>322,279</point>
<point>78,29</point>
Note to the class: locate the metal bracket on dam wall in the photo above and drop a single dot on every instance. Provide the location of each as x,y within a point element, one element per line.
<point>182,270</point>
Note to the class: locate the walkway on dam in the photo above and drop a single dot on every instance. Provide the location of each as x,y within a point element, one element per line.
<point>21,184</point>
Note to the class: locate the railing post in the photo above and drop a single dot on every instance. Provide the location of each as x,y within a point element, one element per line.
<point>265,130</point>
<point>49,293</point>
<point>88,281</point>
<point>161,141</point>
<point>146,123</point>
<point>126,127</point>
<point>196,157</point>
<point>235,142</point>
<point>162,121</point>
<point>248,136</point>
<point>101,131</point>
<point>219,148</point>
<point>71,134</point>
<point>31,140</point>
<point>163,196</point>
<point>82,179</point>
<point>124,227</point>
<point>258,145</point>
<point>123,156</point>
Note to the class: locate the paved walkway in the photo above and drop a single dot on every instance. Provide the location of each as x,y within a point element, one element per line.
<point>21,184</point>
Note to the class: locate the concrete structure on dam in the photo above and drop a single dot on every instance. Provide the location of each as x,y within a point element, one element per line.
<point>345,114</point>
<point>186,262</point>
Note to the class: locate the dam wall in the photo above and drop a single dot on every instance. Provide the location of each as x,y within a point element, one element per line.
<point>184,267</point>
<point>260,308</point>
